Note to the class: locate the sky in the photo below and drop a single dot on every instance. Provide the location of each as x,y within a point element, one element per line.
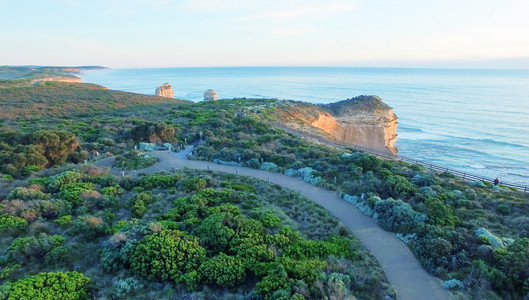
<point>208,33</point>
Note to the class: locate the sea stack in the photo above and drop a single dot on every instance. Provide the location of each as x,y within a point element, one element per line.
<point>364,120</point>
<point>165,90</point>
<point>210,95</point>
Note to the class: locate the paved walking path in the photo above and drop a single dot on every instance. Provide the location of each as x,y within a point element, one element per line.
<point>402,269</point>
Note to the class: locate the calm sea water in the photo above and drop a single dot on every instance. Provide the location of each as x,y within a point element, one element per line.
<point>472,120</point>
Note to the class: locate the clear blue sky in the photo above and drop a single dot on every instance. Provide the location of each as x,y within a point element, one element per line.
<point>183,33</point>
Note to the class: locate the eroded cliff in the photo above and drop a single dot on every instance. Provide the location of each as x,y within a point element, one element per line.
<point>364,121</point>
<point>57,78</point>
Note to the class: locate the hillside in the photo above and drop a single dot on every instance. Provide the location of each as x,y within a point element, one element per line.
<point>66,99</point>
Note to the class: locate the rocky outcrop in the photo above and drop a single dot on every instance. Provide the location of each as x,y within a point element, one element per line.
<point>57,78</point>
<point>210,95</point>
<point>365,121</point>
<point>164,90</point>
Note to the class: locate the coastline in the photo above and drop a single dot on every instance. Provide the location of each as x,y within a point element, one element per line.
<point>437,113</point>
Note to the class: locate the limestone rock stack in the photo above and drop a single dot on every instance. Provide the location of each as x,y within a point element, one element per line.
<point>210,95</point>
<point>164,90</point>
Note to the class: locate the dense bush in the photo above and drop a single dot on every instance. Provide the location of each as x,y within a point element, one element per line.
<point>440,213</point>
<point>434,252</point>
<point>153,133</point>
<point>514,262</point>
<point>8,222</point>
<point>23,193</point>
<point>398,216</point>
<point>73,192</point>
<point>22,153</point>
<point>57,182</point>
<point>90,226</point>
<point>168,255</point>
<point>139,203</point>
<point>33,248</point>
<point>157,180</point>
<point>59,285</point>
<point>195,184</point>
<point>223,270</point>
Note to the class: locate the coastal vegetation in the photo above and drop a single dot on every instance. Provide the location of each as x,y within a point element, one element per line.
<point>241,236</point>
<point>84,234</point>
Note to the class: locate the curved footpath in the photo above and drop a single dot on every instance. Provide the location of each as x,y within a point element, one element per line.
<point>404,272</point>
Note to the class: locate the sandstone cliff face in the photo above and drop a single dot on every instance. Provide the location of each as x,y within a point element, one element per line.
<point>57,78</point>
<point>364,121</point>
<point>164,90</point>
<point>210,95</point>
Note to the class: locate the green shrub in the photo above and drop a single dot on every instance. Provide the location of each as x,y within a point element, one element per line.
<point>270,221</point>
<point>223,270</point>
<point>29,169</point>
<point>161,181</point>
<point>153,132</point>
<point>399,186</point>
<point>440,213</point>
<point>306,270</point>
<point>308,249</point>
<point>55,183</point>
<point>397,216</point>
<point>112,190</point>
<point>514,262</point>
<point>194,184</point>
<point>366,161</point>
<point>90,226</point>
<point>214,233</point>
<point>23,193</point>
<point>433,252</point>
<point>8,270</point>
<point>33,248</point>
<point>59,285</point>
<point>64,220</point>
<point>8,222</point>
<point>276,280</point>
<point>138,203</point>
<point>167,255</point>
<point>72,192</point>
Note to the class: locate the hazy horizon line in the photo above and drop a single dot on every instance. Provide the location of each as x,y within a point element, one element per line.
<point>282,66</point>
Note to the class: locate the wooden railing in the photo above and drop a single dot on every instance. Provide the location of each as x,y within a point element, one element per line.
<point>388,155</point>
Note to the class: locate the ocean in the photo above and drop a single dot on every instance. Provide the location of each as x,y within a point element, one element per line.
<point>467,119</point>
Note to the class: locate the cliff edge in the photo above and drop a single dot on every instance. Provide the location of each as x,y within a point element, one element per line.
<point>363,121</point>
